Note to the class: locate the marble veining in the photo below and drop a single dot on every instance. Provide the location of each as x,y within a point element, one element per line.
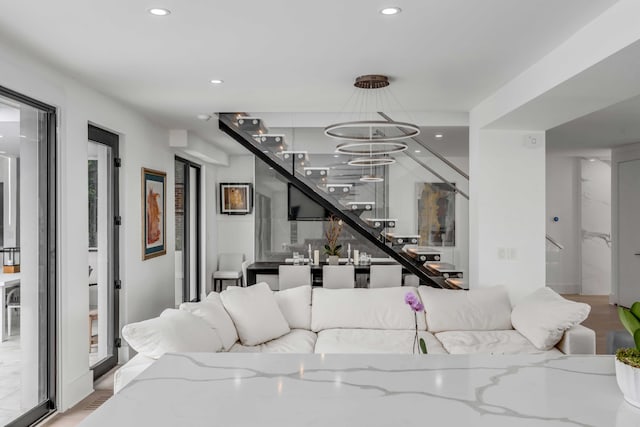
<point>201,389</point>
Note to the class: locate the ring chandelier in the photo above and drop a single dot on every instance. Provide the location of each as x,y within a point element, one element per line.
<point>371,161</point>
<point>371,148</point>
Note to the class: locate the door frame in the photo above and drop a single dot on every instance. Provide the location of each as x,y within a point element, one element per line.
<point>112,140</point>
<point>186,242</point>
<point>618,155</point>
<point>47,189</point>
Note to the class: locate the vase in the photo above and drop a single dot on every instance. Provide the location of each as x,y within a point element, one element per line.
<point>628,379</point>
<point>333,260</point>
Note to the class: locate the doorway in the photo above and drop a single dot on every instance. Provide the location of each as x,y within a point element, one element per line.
<point>188,231</point>
<point>27,278</point>
<point>103,249</point>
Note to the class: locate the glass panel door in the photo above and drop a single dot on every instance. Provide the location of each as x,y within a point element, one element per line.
<point>102,249</point>
<point>27,278</point>
<point>187,209</point>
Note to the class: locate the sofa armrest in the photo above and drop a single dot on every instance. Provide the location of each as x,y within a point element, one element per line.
<point>578,340</point>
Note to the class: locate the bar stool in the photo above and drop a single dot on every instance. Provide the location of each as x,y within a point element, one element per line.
<point>93,316</point>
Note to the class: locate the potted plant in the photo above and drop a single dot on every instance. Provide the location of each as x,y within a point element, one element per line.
<point>628,359</point>
<point>332,248</point>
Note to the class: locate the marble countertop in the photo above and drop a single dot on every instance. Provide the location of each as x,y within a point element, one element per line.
<point>231,389</point>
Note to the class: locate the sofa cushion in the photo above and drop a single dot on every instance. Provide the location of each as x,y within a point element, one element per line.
<point>212,311</point>
<point>373,341</point>
<point>544,316</point>
<point>382,308</point>
<point>174,331</point>
<point>487,342</point>
<point>295,304</point>
<point>255,313</point>
<point>296,341</point>
<point>481,309</point>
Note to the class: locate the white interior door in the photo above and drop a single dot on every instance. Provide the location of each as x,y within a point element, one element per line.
<point>629,232</point>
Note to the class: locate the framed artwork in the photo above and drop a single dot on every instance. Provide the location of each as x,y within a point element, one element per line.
<point>154,217</point>
<point>436,214</point>
<point>236,198</point>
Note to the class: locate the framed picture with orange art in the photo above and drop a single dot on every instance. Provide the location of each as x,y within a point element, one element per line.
<point>236,198</point>
<point>154,218</point>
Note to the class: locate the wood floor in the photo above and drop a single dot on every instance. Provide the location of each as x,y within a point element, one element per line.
<point>602,318</point>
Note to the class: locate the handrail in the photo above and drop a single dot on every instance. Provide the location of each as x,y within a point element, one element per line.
<point>429,149</point>
<point>300,184</point>
<point>554,242</point>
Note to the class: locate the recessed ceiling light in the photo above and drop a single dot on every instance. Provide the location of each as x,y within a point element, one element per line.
<point>336,155</point>
<point>417,151</point>
<point>158,11</point>
<point>22,136</point>
<point>438,135</point>
<point>390,10</point>
<point>204,117</point>
<point>1,136</point>
<point>592,159</point>
<point>216,81</point>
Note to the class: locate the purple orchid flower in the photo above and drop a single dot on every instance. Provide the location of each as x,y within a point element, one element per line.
<point>412,300</point>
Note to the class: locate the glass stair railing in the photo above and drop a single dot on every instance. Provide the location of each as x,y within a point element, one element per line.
<point>414,210</point>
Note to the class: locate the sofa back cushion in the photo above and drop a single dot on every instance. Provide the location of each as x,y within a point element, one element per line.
<point>544,316</point>
<point>174,331</point>
<point>382,308</point>
<point>255,313</point>
<point>295,305</point>
<point>213,312</point>
<point>483,309</point>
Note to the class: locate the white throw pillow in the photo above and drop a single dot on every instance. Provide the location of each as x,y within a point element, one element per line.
<point>544,316</point>
<point>255,313</point>
<point>483,309</point>
<point>212,311</point>
<point>174,331</point>
<point>295,304</point>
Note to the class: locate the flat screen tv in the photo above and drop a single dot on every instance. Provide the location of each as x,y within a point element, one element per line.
<point>303,208</point>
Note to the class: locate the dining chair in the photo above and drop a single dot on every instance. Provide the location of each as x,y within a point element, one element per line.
<point>229,268</point>
<point>385,276</point>
<point>245,264</point>
<point>338,276</point>
<point>13,303</point>
<point>292,276</point>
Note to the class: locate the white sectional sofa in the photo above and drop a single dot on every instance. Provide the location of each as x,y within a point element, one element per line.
<point>302,320</point>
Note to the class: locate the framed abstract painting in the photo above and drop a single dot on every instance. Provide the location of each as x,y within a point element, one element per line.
<point>436,214</point>
<point>154,218</point>
<point>236,198</point>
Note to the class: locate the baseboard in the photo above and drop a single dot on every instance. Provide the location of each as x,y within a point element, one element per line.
<point>75,391</point>
<point>565,288</point>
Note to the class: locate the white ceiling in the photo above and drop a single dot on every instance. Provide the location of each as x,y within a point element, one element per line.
<point>279,55</point>
<point>608,128</point>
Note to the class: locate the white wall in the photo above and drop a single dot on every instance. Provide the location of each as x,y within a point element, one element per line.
<point>507,210</point>
<point>563,267</point>
<point>236,233</point>
<point>147,286</point>
<point>595,227</point>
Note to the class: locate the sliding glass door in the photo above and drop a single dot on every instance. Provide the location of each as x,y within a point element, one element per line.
<point>103,280</point>
<point>187,205</point>
<point>27,278</point>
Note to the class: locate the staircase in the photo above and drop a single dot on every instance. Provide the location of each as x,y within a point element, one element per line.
<point>363,197</point>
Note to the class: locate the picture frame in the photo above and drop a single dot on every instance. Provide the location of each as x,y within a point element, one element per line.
<point>236,198</point>
<point>436,214</point>
<point>154,213</point>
